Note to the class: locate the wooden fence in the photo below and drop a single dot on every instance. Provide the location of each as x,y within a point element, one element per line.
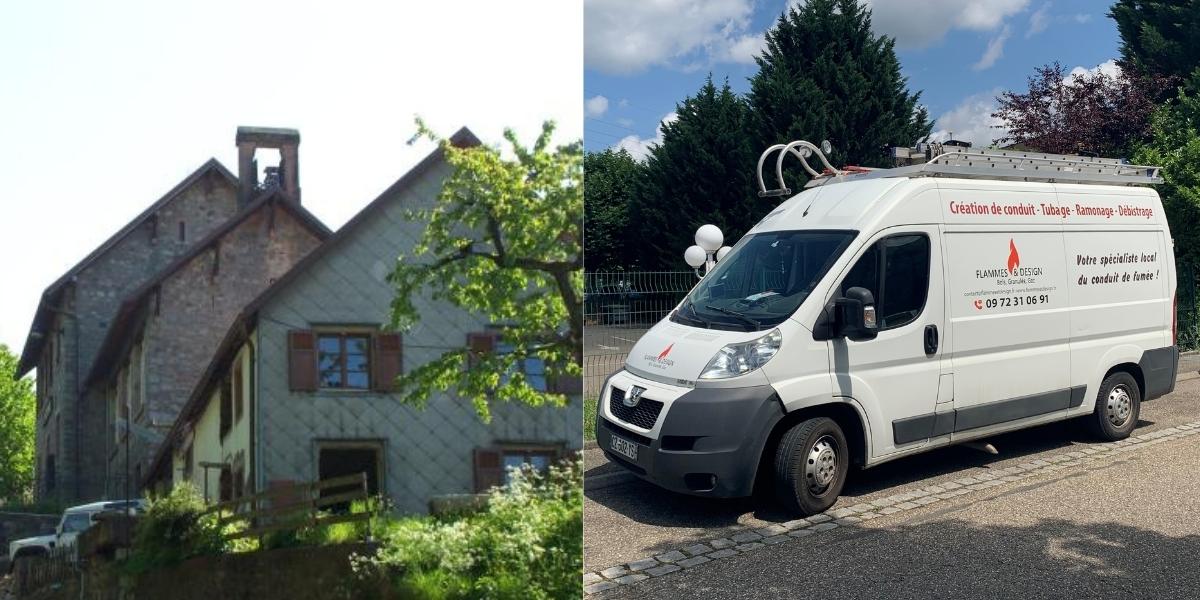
<point>294,506</point>
<point>44,570</point>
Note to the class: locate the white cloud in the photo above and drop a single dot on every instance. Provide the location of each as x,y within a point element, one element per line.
<point>971,120</point>
<point>1039,21</point>
<point>744,49</point>
<point>922,23</point>
<point>1081,18</point>
<point>595,106</point>
<point>625,122</point>
<point>639,147</point>
<point>628,36</point>
<point>993,52</point>
<point>1108,67</point>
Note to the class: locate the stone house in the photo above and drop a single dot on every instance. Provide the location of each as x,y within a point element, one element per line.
<point>300,389</point>
<point>76,311</point>
<point>74,314</point>
<point>166,331</point>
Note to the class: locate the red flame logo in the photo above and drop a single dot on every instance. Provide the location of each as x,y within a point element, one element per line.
<point>1014,259</point>
<point>666,352</point>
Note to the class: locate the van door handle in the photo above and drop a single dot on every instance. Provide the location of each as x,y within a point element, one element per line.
<point>931,340</point>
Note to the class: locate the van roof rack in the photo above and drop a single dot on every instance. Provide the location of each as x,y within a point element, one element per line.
<point>941,160</point>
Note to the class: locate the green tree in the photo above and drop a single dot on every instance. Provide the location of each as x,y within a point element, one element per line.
<point>503,240</point>
<point>825,76</point>
<point>702,172</point>
<point>18,409</point>
<point>1175,146</point>
<point>609,181</point>
<point>1158,38</point>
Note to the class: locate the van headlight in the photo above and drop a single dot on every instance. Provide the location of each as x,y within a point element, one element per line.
<point>739,359</point>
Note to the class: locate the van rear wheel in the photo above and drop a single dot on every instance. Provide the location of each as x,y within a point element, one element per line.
<point>811,463</point>
<point>1118,405</point>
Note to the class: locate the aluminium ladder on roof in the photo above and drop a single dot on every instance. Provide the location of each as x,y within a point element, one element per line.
<point>960,162</point>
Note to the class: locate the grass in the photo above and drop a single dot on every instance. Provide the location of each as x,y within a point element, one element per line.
<point>589,418</point>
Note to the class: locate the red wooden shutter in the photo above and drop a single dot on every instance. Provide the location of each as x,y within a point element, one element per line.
<point>479,344</point>
<point>388,361</point>
<point>302,361</point>
<point>489,469</point>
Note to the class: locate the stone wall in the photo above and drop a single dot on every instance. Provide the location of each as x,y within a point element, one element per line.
<point>322,573</point>
<point>197,304</point>
<point>75,431</point>
<point>14,526</point>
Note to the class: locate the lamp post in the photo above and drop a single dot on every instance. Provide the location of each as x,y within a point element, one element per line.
<point>707,251</point>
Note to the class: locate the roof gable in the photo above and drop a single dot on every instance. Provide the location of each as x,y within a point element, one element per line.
<point>243,324</point>
<point>117,339</point>
<point>52,293</point>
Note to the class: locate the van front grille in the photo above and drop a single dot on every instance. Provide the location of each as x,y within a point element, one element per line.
<point>644,415</point>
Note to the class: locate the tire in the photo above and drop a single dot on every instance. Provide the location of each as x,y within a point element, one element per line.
<point>1118,404</point>
<point>811,462</point>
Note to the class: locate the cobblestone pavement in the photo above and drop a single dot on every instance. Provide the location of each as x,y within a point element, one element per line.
<point>635,532</point>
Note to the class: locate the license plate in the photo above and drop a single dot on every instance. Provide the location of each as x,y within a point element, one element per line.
<point>623,447</point>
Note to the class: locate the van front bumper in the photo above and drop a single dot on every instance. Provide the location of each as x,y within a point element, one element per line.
<point>709,441</point>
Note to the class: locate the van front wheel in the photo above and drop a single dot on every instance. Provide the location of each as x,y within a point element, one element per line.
<point>811,462</point>
<point>1117,407</point>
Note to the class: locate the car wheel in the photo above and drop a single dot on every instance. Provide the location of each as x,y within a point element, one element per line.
<point>1118,405</point>
<point>811,463</point>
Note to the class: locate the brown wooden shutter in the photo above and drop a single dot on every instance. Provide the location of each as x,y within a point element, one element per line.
<point>387,362</point>
<point>489,469</point>
<point>302,361</point>
<point>561,383</point>
<point>480,343</point>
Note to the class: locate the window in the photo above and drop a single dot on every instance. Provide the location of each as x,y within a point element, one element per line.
<point>514,458</point>
<point>226,407</point>
<point>344,360</point>
<point>182,232</point>
<point>493,466</point>
<point>534,368</point>
<point>51,478</point>
<point>225,484</point>
<point>76,522</point>
<point>238,392</point>
<point>135,379</point>
<point>763,280</point>
<point>896,271</point>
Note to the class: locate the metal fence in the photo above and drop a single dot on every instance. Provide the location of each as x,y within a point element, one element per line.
<point>1187,310</point>
<point>618,307</point>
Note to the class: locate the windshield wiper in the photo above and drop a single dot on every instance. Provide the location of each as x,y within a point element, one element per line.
<point>696,316</point>
<point>734,313</point>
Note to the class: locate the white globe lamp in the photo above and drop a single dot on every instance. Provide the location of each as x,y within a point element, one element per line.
<point>695,256</point>
<point>722,252</point>
<point>709,238</point>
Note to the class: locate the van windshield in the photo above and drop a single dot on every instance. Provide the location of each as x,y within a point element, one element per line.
<point>763,280</point>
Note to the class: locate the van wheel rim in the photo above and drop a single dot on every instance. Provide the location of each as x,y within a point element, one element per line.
<point>1120,406</point>
<point>820,466</point>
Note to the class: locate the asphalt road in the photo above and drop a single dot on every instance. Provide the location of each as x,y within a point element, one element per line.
<point>1124,530</point>
<point>1137,520</point>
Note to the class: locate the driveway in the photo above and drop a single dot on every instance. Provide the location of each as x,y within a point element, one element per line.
<point>1105,518</point>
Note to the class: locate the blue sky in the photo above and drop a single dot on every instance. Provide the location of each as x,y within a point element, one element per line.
<point>104,106</point>
<point>643,56</point>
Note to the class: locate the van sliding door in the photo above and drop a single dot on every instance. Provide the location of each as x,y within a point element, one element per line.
<point>1009,315</point>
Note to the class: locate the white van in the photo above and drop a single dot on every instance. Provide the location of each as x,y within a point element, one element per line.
<point>884,313</point>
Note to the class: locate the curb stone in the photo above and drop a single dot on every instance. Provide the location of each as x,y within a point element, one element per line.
<point>696,554</point>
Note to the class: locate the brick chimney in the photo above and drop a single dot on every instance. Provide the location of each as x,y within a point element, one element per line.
<point>286,176</point>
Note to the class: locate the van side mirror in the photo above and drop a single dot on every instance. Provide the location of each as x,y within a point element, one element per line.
<point>855,315</point>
